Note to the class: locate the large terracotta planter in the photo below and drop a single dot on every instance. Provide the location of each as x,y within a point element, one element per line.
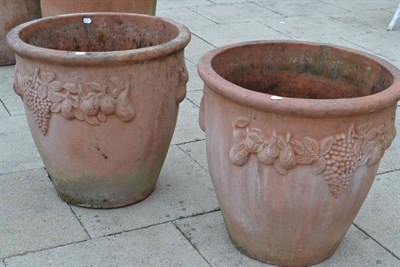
<point>12,13</point>
<point>57,7</point>
<point>101,94</point>
<point>294,136</point>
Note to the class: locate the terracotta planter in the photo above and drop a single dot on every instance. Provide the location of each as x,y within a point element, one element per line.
<point>57,7</point>
<point>101,94</point>
<point>12,13</point>
<point>294,136</point>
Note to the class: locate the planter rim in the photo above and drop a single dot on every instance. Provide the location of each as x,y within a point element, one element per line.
<point>172,46</point>
<point>299,106</point>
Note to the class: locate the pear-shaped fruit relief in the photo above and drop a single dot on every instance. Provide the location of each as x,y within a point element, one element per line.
<point>334,157</point>
<point>91,101</point>
<point>124,110</point>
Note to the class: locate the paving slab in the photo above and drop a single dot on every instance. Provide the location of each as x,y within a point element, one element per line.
<point>195,96</point>
<point>197,48</point>
<point>187,127</point>
<point>3,111</point>
<point>11,101</point>
<point>32,216</point>
<point>374,41</point>
<point>156,246</point>
<point>317,27</point>
<point>373,25</point>
<point>359,5</point>
<point>391,159</point>
<point>208,234</point>
<point>197,151</point>
<point>2,264</point>
<point>378,19</point>
<point>380,213</point>
<point>299,8</point>
<point>194,83</point>
<point>167,4</point>
<point>191,19</point>
<point>229,1</point>
<point>18,151</point>
<point>225,34</point>
<point>223,13</point>
<point>183,189</point>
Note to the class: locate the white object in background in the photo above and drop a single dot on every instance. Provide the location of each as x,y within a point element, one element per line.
<point>395,18</point>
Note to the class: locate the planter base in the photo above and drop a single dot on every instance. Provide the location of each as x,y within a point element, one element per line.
<point>284,262</point>
<point>104,204</point>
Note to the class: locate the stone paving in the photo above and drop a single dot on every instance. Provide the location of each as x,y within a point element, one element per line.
<point>180,223</point>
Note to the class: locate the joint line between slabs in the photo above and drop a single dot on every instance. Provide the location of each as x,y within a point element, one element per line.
<point>361,22</point>
<point>273,11</point>
<point>27,170</point>
<point>157,224</point>
<point>188,99</point>
<point>189,142</point>
<point>104,236</point>
<point>201,15</point>
<point>385,172</point>
<point>283,33</point>
<point>195,248</point>
<point>376,241</point>
<point>329,3</point>
<point>188,59</point>
<point>367,49</point>
<point>198,163</point>
<point>204,40</point>
<point>4,105</point>
<point>42,249</point>
<point>84,228</point>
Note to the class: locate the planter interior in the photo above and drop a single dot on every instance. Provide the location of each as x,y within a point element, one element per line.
<point>101,94</point>
<point>300,71</point>
<point>103,34</point>
<point>294,135</point>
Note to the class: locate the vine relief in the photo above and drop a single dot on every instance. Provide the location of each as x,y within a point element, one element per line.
<point>334,157</point>
<point>91,102</point>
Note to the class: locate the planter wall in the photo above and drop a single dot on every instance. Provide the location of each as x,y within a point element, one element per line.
<point>12,13</point>
<point>101,94</point>
<point>294,136</point>
<point>57,7</point>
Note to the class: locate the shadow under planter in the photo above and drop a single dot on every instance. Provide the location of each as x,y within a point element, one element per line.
<point>294,134</point>
<point>101,93</point>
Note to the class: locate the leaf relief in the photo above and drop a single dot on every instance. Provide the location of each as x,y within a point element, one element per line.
<point>241,122</point>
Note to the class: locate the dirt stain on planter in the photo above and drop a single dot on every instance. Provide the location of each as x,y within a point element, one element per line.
<point>69,199</point>
<point>102,36</point>
<point>101,152</point>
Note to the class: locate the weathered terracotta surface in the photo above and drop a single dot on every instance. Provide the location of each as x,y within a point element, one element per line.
<point>12,13</point>
<point>58,7</point>
<point>102,121</point>
<point>294,136</point>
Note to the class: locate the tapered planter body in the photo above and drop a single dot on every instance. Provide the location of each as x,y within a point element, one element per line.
<point>57,7</point>
<point>12,13</point>
<point>101,94</point>
<point>294,136</point>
